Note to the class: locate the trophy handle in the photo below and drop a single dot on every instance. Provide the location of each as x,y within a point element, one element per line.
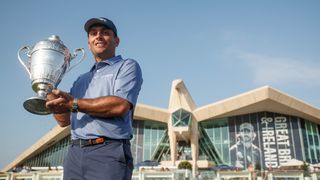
<point>75,55</point>
<point>21,61</point>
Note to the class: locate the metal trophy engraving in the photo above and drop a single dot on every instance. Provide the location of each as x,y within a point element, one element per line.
<point>48,61</point>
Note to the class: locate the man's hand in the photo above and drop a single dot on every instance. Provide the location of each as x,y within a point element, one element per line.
<point>59,102</point>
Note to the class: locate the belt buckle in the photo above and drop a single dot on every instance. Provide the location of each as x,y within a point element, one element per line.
<point>100,140</point>
<point>90,142</point>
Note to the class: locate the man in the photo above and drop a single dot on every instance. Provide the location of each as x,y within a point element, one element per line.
<point>100,108</point>
<point>244,153</point>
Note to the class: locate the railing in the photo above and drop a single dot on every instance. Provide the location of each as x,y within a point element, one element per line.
<point>170,173</point>
<point>54,175</point>
<point>140,175</point>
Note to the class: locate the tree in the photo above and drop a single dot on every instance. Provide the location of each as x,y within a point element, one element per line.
<point>305,167</point>
<point>257,167</point>
<point>185,165</point>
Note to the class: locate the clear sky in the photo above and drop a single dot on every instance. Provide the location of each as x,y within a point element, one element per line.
<point>219,48</point>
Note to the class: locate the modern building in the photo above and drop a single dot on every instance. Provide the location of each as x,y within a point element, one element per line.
<point>263,127</point>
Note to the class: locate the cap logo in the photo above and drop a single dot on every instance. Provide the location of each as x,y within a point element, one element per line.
<point>102,19</point>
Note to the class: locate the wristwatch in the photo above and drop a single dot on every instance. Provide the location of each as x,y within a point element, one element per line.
<point>75,106</point>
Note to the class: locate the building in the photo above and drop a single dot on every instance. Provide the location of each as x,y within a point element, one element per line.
<point>263,127</point>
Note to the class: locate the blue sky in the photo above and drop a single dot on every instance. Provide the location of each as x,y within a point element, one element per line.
<point>219,48</point>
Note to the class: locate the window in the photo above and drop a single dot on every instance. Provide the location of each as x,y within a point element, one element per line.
<point>181,118</point>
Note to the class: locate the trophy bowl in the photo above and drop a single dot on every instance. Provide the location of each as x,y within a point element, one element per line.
<point>48,61</point>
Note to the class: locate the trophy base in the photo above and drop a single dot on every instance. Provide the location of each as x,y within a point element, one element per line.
<point>36,105</point>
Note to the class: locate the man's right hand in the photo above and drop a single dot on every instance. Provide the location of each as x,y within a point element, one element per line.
<point>52,96</point>
<point>55,104</point>
<point>59,102</point>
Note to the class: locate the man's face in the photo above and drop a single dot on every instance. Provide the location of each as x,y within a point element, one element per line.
<point>246,134</point>
<point>102,42</point>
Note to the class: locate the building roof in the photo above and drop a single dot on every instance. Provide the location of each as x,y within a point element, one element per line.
<point>261,99</point>
<point>257,100</point>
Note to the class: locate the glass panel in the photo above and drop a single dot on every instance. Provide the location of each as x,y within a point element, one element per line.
<point>181,118</point>
<point>317,145</point>
<point>210,133</point>
<point>225,135</point>
<point>309,130</point>
<point>184,113</point>
<point>225,151</point>
<point>186,121</point>
<point>154,138</point>
<point>146,145</point>
<point>217,136</point>
<point>175,120</point>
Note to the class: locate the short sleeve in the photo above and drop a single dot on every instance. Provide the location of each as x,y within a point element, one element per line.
<point>129,81</point>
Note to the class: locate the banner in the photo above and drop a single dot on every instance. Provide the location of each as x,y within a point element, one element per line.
<point>263,138</point>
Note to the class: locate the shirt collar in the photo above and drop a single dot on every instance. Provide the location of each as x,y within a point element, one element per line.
<point>105,62</point>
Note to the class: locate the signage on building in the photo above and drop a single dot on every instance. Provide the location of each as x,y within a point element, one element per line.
<point>267,139</point>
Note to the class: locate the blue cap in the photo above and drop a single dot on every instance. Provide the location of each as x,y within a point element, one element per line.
<point>102,21</point>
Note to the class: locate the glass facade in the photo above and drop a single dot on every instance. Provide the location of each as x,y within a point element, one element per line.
<point>207,151</point>
<point>310,136</point>
<point>218,132</point>
<point>147,136</point>
<point>153,132</point>
<point>52,156</point>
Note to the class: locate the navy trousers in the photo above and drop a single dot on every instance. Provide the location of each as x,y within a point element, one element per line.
<point>111,160</point>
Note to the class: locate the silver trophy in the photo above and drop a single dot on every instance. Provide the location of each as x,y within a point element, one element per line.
<point>48,61</point>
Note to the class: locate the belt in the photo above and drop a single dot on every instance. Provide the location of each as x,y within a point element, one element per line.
<point>100,140</point>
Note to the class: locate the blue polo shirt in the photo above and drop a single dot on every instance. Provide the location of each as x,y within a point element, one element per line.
<point>111,77</point>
